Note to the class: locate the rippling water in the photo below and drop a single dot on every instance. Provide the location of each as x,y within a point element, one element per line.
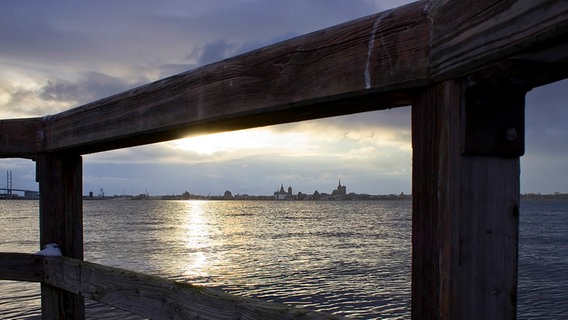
<point>543,260</point>
<point>350,258</point>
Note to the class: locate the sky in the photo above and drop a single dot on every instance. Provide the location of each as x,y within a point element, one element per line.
<point>56,55</point>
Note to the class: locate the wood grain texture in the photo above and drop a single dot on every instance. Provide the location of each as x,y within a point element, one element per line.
<point>21,138</point>
<point>20,267</point>
<point>465,217</point>
<point>435,144</point>
<point>340,70</point>
<point>468,35</point>
<point>485,273</point>
<point>60,179</point>
<point>158,298</point>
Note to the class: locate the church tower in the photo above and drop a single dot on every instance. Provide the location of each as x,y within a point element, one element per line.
<point>341,192</point>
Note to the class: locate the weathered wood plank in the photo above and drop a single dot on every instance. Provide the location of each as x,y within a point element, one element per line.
<point>467,35</point>
<point>20,267</point>
<point>434,151</point>
<point>21,137</point>
<point>486,268</point>
<point>60,179</point>
<point>339,70</point>
<point>158,298</point>
<point>465,217</point>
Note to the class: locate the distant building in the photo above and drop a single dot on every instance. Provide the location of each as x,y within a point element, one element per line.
<point>282,194</point>
<point>31,194</point>
<point>316,195</point>
<point>228,195</point>
<point>340,193</point>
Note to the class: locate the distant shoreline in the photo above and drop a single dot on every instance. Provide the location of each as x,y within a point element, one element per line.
<point>350,197</point>
<point>325,197</point>
<point>539,196</point>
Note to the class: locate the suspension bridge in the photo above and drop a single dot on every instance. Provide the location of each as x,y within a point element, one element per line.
<point>10,193</point>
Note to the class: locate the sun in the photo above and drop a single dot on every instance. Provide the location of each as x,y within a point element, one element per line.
<point>250,140</point>
<point>225,141</point>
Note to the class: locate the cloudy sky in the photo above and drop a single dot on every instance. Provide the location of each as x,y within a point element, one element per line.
<point>55,55</point>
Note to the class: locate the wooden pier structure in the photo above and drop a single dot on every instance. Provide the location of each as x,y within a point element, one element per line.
<point>463,66</point>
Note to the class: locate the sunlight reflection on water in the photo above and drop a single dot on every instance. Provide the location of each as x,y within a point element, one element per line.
<point>349,258</point>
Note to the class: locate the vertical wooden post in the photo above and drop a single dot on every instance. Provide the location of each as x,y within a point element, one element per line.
<point>465,209</point>
<point>61,222</point>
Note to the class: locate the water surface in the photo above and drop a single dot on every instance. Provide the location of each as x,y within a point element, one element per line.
<point>349,258</point>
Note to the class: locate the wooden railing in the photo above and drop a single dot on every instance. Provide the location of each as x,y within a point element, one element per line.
<point>464,66</point>
<point>142,294</point>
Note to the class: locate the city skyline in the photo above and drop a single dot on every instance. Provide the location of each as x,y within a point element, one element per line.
<point>340,190</point>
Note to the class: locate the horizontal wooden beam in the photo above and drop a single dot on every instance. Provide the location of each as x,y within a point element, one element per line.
<point>158,298</point>
<point>21,267</point>
<point>362,65</point>
<point>469,35</point>
<point>21,138</point>
<point>142,294</point>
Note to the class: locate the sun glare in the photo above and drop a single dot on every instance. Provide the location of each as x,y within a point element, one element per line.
<point>254,139</point>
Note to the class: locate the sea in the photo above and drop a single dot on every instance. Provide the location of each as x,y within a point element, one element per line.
<point>351,258</point>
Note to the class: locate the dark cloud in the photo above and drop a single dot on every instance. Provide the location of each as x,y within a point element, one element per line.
<point>24,102</point>
<point>80,33</point>
<point>546,135</point>
<point>212,52</point>
<point>23,174</point>
<point>91,86</point>
<point>546,115</point>
<point>56,94</point>
<point>34,35</point>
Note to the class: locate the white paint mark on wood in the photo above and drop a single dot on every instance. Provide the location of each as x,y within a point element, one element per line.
<point>370,50</point>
